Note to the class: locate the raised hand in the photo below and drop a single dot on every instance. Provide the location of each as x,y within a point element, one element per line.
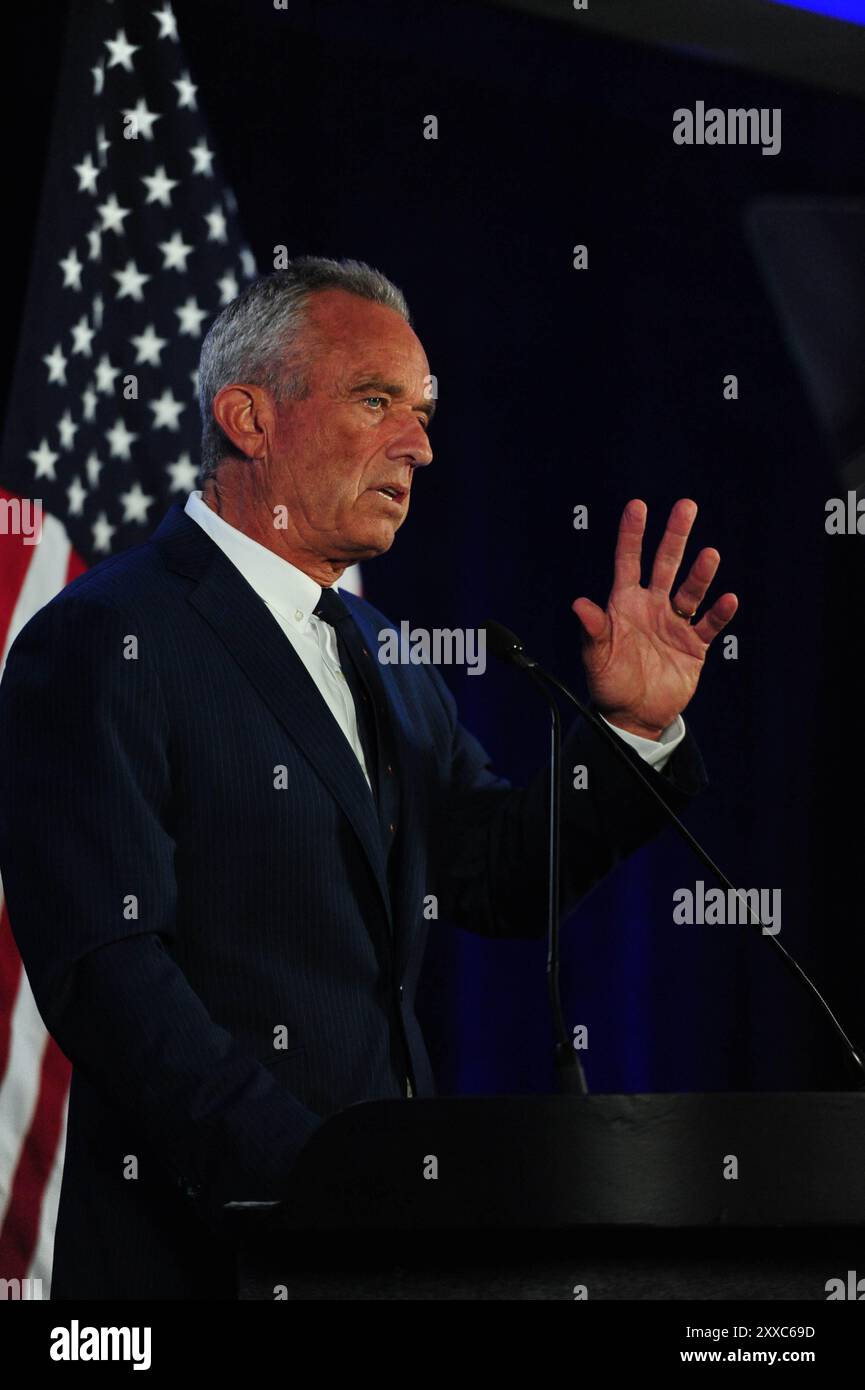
<point>642,659</point>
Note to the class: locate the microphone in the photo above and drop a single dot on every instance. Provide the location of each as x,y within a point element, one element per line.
<point>505,645</point>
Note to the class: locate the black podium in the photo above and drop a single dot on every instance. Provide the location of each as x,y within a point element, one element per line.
<point>721,1196</point>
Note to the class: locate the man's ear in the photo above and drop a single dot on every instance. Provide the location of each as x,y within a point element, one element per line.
<point>247,416</point>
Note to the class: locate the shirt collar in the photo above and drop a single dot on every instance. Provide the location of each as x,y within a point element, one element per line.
<point>281,585</point>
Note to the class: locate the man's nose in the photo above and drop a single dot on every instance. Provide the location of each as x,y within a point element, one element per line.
<point>411,445</point>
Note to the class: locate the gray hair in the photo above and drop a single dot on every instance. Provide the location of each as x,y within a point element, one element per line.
<point>256,338</point>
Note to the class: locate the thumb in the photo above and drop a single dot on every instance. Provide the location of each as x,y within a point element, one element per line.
<point>594,619</point>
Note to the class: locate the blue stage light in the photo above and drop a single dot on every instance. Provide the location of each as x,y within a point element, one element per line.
<point>851,10</point>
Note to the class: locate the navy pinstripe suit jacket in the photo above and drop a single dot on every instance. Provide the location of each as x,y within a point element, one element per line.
<point>194,867</point>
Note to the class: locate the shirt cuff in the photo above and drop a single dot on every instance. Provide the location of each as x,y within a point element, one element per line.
<point>656,754</point>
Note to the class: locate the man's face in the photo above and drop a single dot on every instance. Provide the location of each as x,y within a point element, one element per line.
<point>361,428</point>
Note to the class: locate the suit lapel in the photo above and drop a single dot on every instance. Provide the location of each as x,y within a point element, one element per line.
<point>244,624</point>
<point>408,888</point>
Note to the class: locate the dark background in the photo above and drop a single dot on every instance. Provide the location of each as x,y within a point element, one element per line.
<point>560,387</point>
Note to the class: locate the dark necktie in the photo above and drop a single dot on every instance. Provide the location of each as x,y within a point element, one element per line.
<point>361,677</point>
<point>375,726</point>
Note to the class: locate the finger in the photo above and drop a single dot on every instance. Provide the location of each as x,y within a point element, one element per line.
<point>629,545</point>
<point>593,618</point>
<point>669,553</point>
<point>692,590</point>
<point>717,618</point>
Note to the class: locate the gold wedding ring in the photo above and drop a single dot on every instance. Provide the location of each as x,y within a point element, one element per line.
<point>679,614</point>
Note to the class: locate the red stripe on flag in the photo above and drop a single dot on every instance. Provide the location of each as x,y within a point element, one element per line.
<point>15,559</point>
<point>10,978</point>
<point>75,567</point>
<point>20,1231</point>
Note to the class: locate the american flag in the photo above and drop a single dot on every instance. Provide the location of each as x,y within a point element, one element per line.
<point>137,248</point>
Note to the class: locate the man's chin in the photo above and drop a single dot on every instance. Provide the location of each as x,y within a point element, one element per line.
<point>371,542</point>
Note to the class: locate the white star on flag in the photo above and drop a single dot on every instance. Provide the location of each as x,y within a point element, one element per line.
<point>191,316</point>
<point>167,23</point>
<point>166,411</point>
<point>89,401</point>
<point>76,494</point>
<point>87,175</point>
<point>159,187</point>
<point>130,281</point>
<point>135,503</point>
<point>82,335</point>
<point>44,459</point>
<point>228,287</point>
<point>120,440</point>
<point>112,215</point>
<point>216,224</point>
<point>185,93</point>
<point>203,159</point>
<point>94,468</point>
<point>148,347</point>
<point>120,51</point>
<point>175,252</point>
<point>67,430</point>
<point>105,375</point>
<point>102,146</point>
<point>72,268</point>
<point>183,473</point>
<point>102,533</point>
<point>56,364</point>
<point>140,120</point>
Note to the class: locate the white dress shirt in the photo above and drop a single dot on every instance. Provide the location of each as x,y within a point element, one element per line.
<point>291,597</point>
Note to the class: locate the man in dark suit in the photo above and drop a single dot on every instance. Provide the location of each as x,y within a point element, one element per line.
<point>220,815</point>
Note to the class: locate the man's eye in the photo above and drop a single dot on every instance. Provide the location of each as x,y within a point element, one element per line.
<point>367,399</point>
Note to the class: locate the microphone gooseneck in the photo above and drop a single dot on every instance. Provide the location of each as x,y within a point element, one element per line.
<point>505,645</point>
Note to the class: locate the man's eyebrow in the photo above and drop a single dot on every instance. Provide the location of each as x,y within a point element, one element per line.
<point>392,388</point>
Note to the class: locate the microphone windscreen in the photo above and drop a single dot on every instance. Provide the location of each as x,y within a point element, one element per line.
<point>503,643</point>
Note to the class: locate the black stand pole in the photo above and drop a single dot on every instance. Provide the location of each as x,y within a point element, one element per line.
<point>569,1071</point>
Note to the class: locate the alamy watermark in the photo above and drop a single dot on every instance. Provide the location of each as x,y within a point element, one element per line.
<point>845,516</point>
<point>21,516</point>
<point>438,646</point>
<point>20,1290</point>
<point>77,1343</point>
<point>731,906</point>
<point>736,126</point>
